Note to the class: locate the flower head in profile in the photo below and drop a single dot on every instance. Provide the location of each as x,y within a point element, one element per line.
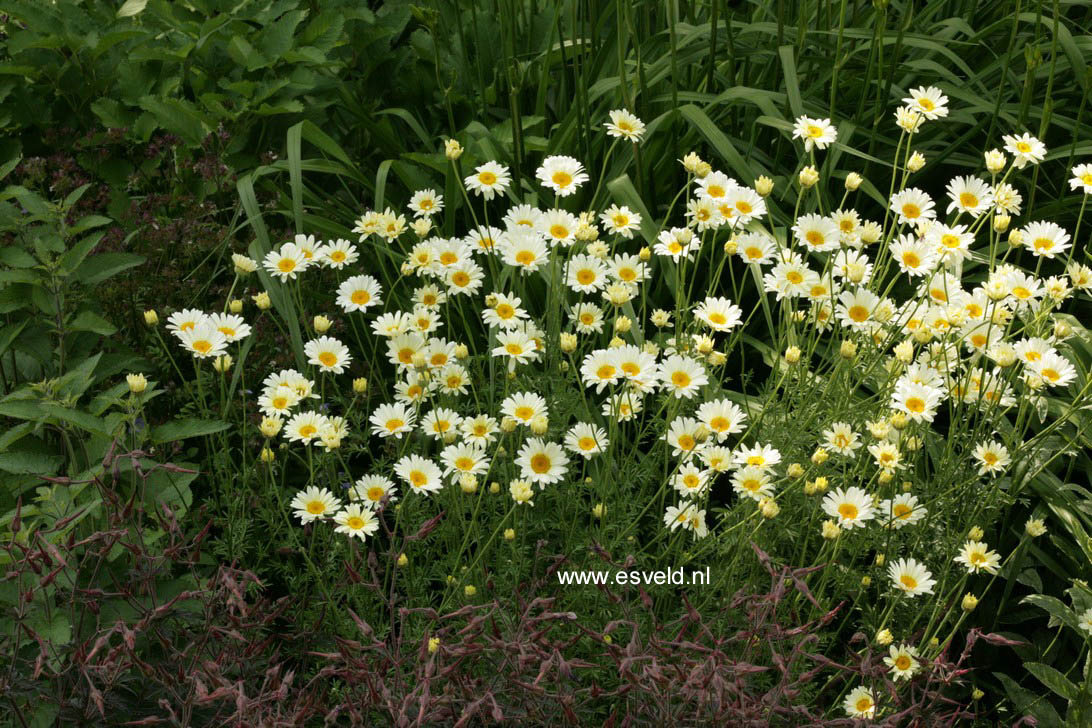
<point>625,125</point>
<point>564,175</point>
<point>1082,178</point>
<point>817,133</point>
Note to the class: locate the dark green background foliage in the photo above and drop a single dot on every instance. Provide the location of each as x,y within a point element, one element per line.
<point>178,131</point>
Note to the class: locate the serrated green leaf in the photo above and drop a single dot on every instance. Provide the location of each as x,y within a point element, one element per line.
<point>186,428</point>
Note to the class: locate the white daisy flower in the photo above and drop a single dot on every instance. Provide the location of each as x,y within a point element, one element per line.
<point>314,504</point>
<point>488,180</point>
<point>564,175</point>
<point>625,125</point>
<point>911,577</point>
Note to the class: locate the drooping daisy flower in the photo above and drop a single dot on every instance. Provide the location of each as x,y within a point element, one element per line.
<point>815,132</point>
<point>564,175</point>
<point>285,262</point>
<point>902,510</point>
<point>970,195</point>
<point>682,376</point>
<point>203,340</point>
<point>314,504</point>
<point>1082,178</point>
<point>328,354</point>
<point>852,507</point>
<point>911,577</point>
<point>860,703</point>
<point>903,661</point>
<point>392,420</point>
<point>489,179</point>
<point>719,314</point>
<point>372,489</point>
<point>976,557</point>
<point>1007,199</point>
<point>912,206</point>
<point>625,125</point>
<point>541,462</point>
<point>586,439</point>
<point>426,203</point>
<point>356,520</point>
<point>1024,148</point>
<point>420,474</point>
<point>930,102</point>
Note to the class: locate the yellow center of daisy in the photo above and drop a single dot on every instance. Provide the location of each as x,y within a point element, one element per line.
<point>454,381</point>
<point>355,522</point>
<point>627,274</point>
<point>794,277</point>
<point>1021,292</point>
<point>902,511</point>
<point>337,256</point>
<point>752,485</point>
<point>949,241</point>
<point>915,404</point>
<point>585,276</point>
<point>308,430</point>
<point>1050,374</point>
<point>394,424</point>
<point>926,104</point>
<point>717,318</point>
<point>714,191</point>
<point>1023,147</point>
<point>316,507</point>
<point>815,131</point>
<point>438,359</point>
<point>908,581</point>
<point>447,258</point>
<point>968,199</point>
<point>559,231</point>
<point>279,402</point>
<point>587,319</point>
<point>405,356</point>
<point>680,379</point>
<point>902,662</point>
<point>376,493</point>
<point>586,443</point>
<point>814,237</point>
<point>847,511</point>
<point>630,369</point>
<point>505,311</point>
<point>719,424</point>
<point>864,705</point>
<point>691,481</point>
<point>525,257</point>
<point>487,178</point>
<point>1043,244</point>
<point>620,221</point>
<point>858,313</point>
<point>686,442</point>
<point>911,259</point>
<point>753,253</point>
<point>756,460</point>
<point>327,358</point>
<point>514,349</point>
<point>286,265</point>
<point>360,297</point>
<point>524,413</point>
<point>203,346</point>
<point>417,478</point>
<point>562,179</point>
<point>464,463</point>
<point>605,372</point>
<point>990,458</point>
<point>911,211</point>
<point>460,278</point>
<point>540,463</point>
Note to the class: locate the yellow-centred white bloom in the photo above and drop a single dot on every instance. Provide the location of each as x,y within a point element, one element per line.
<point>359,293</point>
<point>392,420</point>
<point>203,340</point>
<point>328,354</point>
<point>620,220</point>
<point>903,661</point>
<point>541,462</point>
<point>912,206</point>
<point>1082,178</point>
<point>719,314</point>
<point>426,203</point>
<point>488,180</point>
<point>314,504</point>
<point>902,510</point>
<point>372,489</point>
<point>930,102</point>
<point>586,439</point>
<point>1024,148</point>
<point>911,577</point>
<point>420,474</point>
<point>1045,239</point>
<point>992,457</point>
<point>625,125</point>
<point>818,133</point>
<point>860,703</point>
<point>976,557</point>
<point>852,507</point>
<point>356,520</point>
<point>564,175</point>
<point>682,376</point>
<point>286,261</point>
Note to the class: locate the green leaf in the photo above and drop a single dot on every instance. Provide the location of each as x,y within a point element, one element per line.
<point>186,428</point>
<point>1059,612</point>
<point>88,321</point>
<point>99,268</point>
<point>30,463</point>
<point>1053,679</point>
<point>131,8</point>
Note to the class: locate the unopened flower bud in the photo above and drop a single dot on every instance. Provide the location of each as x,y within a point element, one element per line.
<point>222,363</point>
<point>764,186</point>
<point>403,560</point>
<point>235,305</point>
<point>916,162</point>
<point>976,533</point>
<point>261,300</point>
<point>270,426</point>
<point>598,511</point>
<point>848,349</point>
<point>831,530</point>
<point>884,637</point>
<point>644,253</point>
<point>360,385</point>
<point>795,470</point>
<point>452,149</point>
<point>1035,527</point>
<point>568,342</point>
<point>792,354</point>
<point>540,424</point>
<point>494,487</point>
<point>434,642</point>
<point>808,176</point>
<point>853,181</point>
<point>151,318</point>
<point>267,455</point>
<point>1001,222</point>
<point>623,324</point>
<point>820,456</point>
<point>970,601</point>
<point>468,483</point>
<point>321,324</point>
<point>995,161</point>
<point>509,534</point>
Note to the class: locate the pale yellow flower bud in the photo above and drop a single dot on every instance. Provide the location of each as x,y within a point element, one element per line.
<point>616,343</point>
<point>434,642</point>
<point>976,533</point>
<point>267,455</point>
<point>764,186</point>
<point>468,483</point>
<point>270,426</point>
<point>644,253</point>
<point>421,226</point>
<point>866,581</point>
<point>970,601</point>
<point>769,508</point>
<point>995,161</point>
<point>137,383</point>
<point>904,351</point>
<point>222,363</point>
<point>321,324</point>
<point>1001,222</point>
<point>731,245</point>
<point>880,559</point>
<point>540,424</point>
<point>898,420</point>
<point>916,162</point>
<point>884,637</point>
<point>568,342</point>
<point>623,324</point>
<point>494,487</point>
<point>795,470</point>
<point>853,181</point>
<point>792,354</point>
<point>403,560</point>
<point>151,318</point>
<point>452,149</point>
<point>871,232</point>
<point>848,349</point>
<point>808,176</point>
<point>1035,527</point>
<point>691,162</point>
<point>262,301</point>
<point>470,590</point>
<point>831,530</point>
<point>235,305</point>
<point>598,511</point>
<point>820,456</point>
<point>360,385</point>
<point>703,169</point>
